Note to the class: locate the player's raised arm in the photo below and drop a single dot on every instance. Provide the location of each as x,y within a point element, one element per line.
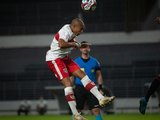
<point>64,44</point>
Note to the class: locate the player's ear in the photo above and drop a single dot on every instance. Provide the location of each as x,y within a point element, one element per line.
<point>73,26</point>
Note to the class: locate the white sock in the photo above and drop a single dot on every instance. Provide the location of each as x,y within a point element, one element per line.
<point>88,84</point>
<point>71,99</point>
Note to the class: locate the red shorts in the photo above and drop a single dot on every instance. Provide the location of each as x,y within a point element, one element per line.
<point>63,67</point>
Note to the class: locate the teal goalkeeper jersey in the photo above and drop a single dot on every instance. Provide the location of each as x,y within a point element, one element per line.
<point>89,66</point>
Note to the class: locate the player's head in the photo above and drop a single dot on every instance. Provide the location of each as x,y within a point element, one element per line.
<point>157,19</point>
<point>77,26</point>
<point>85,47</point>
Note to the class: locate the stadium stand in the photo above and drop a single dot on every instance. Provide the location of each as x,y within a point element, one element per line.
<point>41,17</point>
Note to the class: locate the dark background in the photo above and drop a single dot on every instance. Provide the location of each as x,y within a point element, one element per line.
<point>19,17</point>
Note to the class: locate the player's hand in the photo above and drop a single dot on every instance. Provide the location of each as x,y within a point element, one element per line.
<point>77,44</point>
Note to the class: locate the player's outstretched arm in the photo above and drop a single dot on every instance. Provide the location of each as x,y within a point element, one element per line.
<point>64,44</point>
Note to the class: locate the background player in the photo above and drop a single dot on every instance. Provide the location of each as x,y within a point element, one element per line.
<point>25,107</point>
<point>62,66</point>
<point>154,86</point>
<point>92,68</point>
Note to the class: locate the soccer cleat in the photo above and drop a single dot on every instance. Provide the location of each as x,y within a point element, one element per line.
<point>143,105</point>
<point>78,117</point>
<point>106,100</point>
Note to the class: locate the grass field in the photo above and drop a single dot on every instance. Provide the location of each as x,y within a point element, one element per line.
<point>67,117</point>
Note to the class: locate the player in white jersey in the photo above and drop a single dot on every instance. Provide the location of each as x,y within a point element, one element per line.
<point>63,66</point>
<point>67,35</point>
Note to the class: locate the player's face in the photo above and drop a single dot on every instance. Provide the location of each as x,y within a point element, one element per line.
<point>77,30</point>
<point>85,49</point>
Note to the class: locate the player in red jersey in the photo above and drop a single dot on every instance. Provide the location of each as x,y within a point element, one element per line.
<point>63,66</point>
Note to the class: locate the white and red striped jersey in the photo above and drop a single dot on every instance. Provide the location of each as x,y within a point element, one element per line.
<point>55,51</point>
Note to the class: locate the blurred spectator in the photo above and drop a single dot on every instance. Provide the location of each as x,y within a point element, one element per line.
<point>42,106</point>
<point>24,107</point>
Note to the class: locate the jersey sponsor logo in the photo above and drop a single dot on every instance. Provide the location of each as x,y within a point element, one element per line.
<point>65,70</point>
<point>82,69</point>
<point>92,70</point>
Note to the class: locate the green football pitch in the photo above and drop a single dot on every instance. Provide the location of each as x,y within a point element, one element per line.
<point>89,117</point>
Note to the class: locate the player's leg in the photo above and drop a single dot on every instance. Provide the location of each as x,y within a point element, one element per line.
<point>80,94</point>
<point>143,101</point>
<point>143,105</point>
<point>26,111</point>
<point>69,94</point>
<point>59,69</point>
<point>90,86</point>
<point>97,113</point>
<point>19,111</point>
<point>154,86</point>
<point>158,96</point>
<point>93,105</point>
<point>71,99</point>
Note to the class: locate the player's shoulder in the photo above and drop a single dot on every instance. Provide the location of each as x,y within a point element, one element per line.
<point>77,58</point>
<point>65,27</point>
<point>93,59</point>
<point>66,30</point>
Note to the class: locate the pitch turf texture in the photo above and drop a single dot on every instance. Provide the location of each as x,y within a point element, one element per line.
<point>67,117</point>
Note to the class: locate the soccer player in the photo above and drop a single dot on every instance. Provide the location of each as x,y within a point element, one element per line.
<point>63,66</point>
<point>154,86</point>
<point>92,68</point>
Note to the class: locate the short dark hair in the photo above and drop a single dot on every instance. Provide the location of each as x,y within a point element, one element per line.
<point>85,44</point>
<point>78,20</point>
